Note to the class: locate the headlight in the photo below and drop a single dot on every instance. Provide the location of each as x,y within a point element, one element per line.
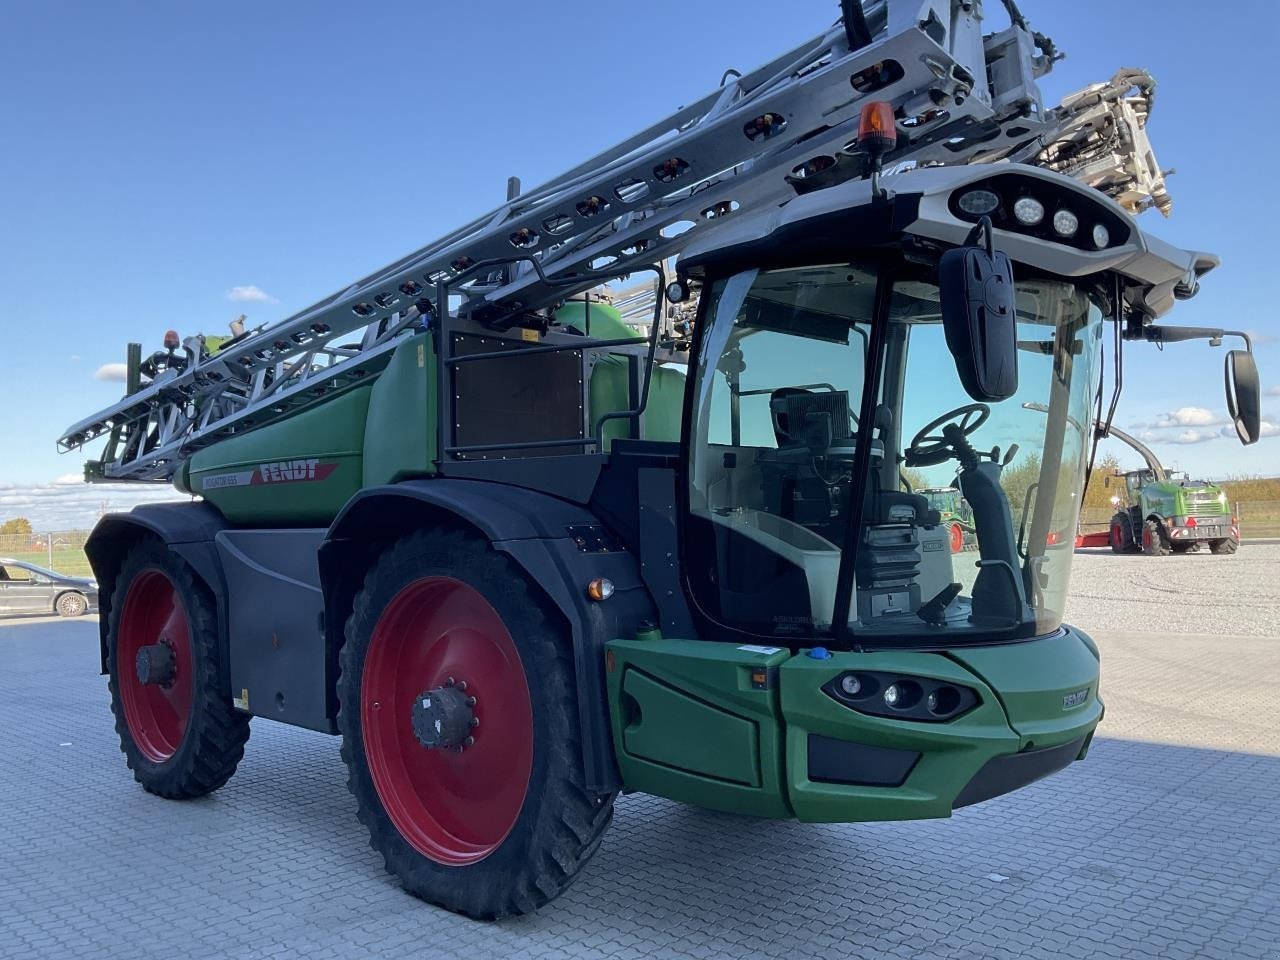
<point>978,202</point>
<point>1100,236</point>
<point>1066,223</point>
<point>899,697</point>
<point>1029,211</point>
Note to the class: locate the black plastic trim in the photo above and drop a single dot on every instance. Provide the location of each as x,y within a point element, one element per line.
<point>1001,775</point>
<point>858,764</point>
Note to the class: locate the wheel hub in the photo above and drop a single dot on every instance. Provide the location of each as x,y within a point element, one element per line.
<point>156,664</point>
<point>443,718</point>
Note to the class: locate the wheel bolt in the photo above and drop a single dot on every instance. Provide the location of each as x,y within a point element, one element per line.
<point>475,722</point>
<point>470,741</point>
<point>471,701</point>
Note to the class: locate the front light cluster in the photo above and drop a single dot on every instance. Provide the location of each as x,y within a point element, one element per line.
<point>901,697</point>
<point>1044,210</point>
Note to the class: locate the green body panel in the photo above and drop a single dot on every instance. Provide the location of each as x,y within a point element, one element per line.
<point>684,713</point>
<point>1172,499</point>
<point>1035,681</point>
<point>951,753</point>
<point>726,747</point>
<point>301,470</point>
<point>678,709</point>
<point>610,388</point>
<point>400,442</point>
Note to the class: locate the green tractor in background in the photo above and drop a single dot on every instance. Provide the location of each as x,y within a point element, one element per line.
<point>1168,512</point>
<point>957,516</point>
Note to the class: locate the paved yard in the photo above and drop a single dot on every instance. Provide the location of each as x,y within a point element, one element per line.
<point>1164,844</point>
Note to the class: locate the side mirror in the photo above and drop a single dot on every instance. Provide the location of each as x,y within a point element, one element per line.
<point>1244,396</point>
<point>979,318</point>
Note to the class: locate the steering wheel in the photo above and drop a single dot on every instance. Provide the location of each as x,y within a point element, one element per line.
<point>929,448</point>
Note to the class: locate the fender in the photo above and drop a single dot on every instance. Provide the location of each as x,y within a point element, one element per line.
<point>562,546</point>
<point>187,529</point>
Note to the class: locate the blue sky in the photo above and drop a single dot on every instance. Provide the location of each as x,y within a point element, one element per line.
<point>158,156</point>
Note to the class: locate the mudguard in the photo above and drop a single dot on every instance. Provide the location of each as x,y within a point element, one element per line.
<point>562,546</point>
<point>187,529</point>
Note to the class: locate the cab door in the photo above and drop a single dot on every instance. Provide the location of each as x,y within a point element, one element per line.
<point>22,591</point>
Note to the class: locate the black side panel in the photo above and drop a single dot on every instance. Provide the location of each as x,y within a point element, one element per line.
<point>660,551</point>
<point>187,528</point>
<point>528,398</point>
<point>616,498</point>
<point>279,667</point>
<point>571,477</point>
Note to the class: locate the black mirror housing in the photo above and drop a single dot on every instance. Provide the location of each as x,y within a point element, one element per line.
<point>980,321</point>
<point>1244,395</point>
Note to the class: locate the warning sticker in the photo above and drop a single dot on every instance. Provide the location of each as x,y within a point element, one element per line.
<point>752,648</point>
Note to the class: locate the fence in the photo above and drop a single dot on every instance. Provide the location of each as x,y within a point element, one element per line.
<point>1258,518</point>
<point>64,551</point>
<point>60,551</point>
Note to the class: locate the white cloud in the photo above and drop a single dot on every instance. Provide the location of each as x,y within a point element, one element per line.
<point>1189,417</point>
<point>1273,391</point>
<point>1267,428</point>
<point>1191,436</point>
<point>112,371</point>
<point>68,503</point>
<point>250,294</point>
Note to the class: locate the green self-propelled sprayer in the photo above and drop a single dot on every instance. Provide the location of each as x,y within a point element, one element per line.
<point>523,555</point>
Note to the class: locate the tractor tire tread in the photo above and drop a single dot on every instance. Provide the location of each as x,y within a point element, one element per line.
<point>566,829</point>
<point>216,733</point>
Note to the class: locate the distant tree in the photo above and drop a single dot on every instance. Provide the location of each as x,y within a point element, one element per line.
<point>915,479</point>
<point>18,526</point>
<point>1017,479</point>
<point>1099,494</point>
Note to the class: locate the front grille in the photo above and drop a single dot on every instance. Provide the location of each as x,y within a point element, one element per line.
<point>1205,501</point>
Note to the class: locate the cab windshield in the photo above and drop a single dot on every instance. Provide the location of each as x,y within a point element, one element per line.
<point>967,511</point>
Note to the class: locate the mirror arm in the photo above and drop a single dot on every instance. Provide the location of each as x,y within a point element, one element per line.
<point>1161,334</point>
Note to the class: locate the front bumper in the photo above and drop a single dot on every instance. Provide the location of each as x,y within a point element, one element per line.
<point>1204,529</point>
<point>692,723</point>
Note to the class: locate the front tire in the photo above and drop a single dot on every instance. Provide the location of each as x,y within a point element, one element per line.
<point>71,605</point>
<point>178,730</point>
<point>1154,543</point>
<point>495,820</point>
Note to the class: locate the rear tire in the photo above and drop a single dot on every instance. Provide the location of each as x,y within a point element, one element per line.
<point>1225,546</point>
<point>1122,539</point>
<point>505,824</point>
<point>71,605</point>
<point>1153,542</point>
<point>182,739</point>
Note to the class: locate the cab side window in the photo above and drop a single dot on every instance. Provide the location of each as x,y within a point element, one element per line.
<point>11,573</point>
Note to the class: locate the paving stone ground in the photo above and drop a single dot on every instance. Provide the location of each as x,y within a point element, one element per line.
<point>1165,843</point>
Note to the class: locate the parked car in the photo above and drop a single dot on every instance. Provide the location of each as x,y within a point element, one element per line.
<point>26,588</point>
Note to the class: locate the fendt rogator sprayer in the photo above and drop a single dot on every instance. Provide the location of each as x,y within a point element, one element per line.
<point>1168,512</point>
<point>462,515</point>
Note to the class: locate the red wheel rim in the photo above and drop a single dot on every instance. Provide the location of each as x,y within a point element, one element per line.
<point>957,538</point>
<point>1117,535</point>
<point>157,716</point>
<point>454,807</point>
<point>1146,537</point>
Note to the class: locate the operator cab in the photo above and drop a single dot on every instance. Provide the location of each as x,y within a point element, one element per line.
<point>776,431</point>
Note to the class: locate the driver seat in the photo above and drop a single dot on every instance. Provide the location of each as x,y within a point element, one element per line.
<point>895,506</point>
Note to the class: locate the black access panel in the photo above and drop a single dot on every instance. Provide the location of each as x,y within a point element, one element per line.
<point>532,398</point>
